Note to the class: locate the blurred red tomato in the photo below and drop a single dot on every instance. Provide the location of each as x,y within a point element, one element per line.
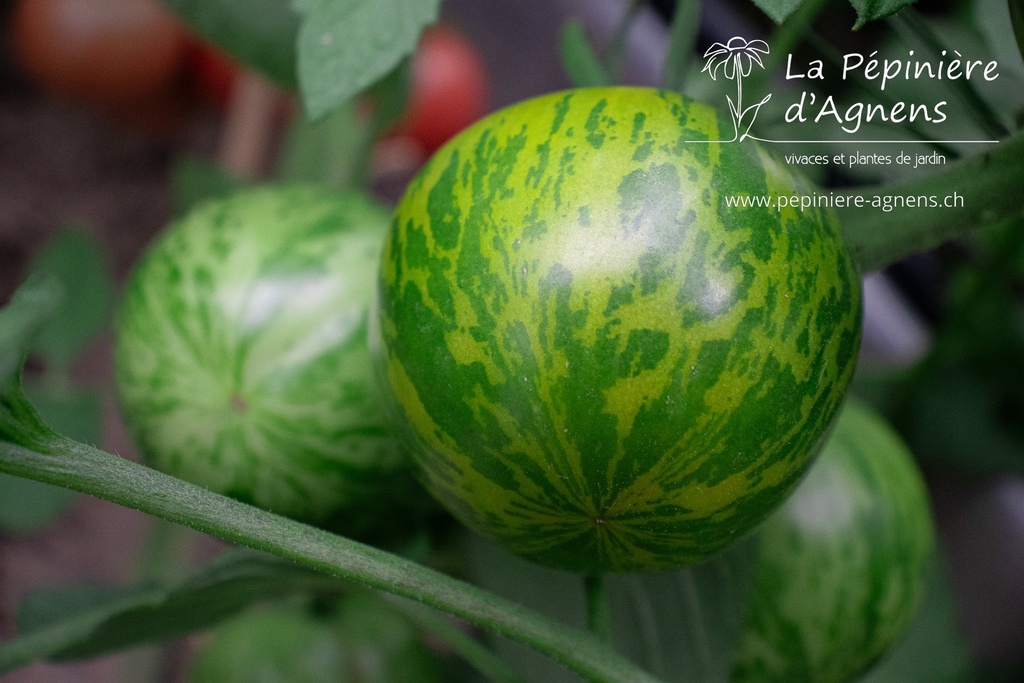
<point>213,72</point>
<point>449,89</point>
<point>111,53</point>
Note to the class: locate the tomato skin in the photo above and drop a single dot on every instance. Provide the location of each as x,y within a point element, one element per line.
<point>269,646</point>
<point>109,53</point>
<point>265,293</point>
<point>367,640</point>
<point>449,88</point>
<point>595,360</point>
<point>212,72</point>
<point>842,563</point>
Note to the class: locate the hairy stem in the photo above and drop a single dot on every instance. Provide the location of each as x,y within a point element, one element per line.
<point>989,189</point>
<point>53,459</point>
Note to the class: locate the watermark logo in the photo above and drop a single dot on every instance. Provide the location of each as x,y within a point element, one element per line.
<point>735,60</point>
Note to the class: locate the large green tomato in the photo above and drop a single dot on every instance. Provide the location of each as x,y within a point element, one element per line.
<point>598,360</point>
<point>241,356</point>
<point>842,563</point>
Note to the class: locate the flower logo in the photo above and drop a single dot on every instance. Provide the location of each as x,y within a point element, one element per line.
<point>736,60</point>
<point>735,57</point>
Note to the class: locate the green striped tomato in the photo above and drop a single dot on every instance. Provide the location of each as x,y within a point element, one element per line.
<point>272,647</point>
<point>598,362</point>
<point>366,641</point>
<point>842,564</point>
<point>241,356</point>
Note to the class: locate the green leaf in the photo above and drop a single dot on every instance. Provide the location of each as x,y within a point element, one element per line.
<point>194,181</point>
<point>953,416</point>
<point>72,411</point>
<point>30,307</point>
<point>390,95</point>
<point>870,10</point>
<point>76,622</point>
<point>1017,21</point>
<point>581,63</point>
<point>26,505</point>
<point>335,150</point>
<point>686,625</point>
<point>345,46</point>
<point>77,261</point>
<point>20,424</point>
<point>38,312</point>
<point>779,10</point>
<point>52,607</point>
<point>258,33</point>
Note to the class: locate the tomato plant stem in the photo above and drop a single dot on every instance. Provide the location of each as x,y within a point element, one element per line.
<point>598,612</point>
<point>613,61</point>
<point>682,39</point>
<point>983,190</point>
<point>29,449</point>
<point>911,25</point>
<point>785,38</point>
<point>834,59</point>
<point>470,649</point>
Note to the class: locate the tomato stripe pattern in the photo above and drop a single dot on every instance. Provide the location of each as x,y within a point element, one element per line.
<point>596,361</point>
<point>842,564</point>
<point>241,356</point>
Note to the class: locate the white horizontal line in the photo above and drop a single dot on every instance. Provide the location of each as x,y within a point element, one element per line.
<point>881,142</point>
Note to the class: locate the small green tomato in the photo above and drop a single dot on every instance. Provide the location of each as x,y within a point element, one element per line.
<point>242,362</point>
<point>842,564</point>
